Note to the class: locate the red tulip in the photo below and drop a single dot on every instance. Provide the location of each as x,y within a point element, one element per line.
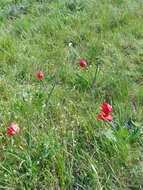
<point>106,108</point>
<point>108,117</point>
<point>103,116</point>
<point>83,63</point>
<point>40,75</point>
<point>13,129</point>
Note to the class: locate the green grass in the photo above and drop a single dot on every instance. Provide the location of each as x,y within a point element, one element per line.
<point>61,144</point>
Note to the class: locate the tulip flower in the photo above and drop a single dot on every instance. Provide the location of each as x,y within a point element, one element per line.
<point>40,75</point>
<point>13,129</point>
<point>106,108</point>
<point>103,116</point>
<point>83,63</point>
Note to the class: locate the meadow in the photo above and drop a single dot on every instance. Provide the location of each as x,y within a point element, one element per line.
<point>61,144</point>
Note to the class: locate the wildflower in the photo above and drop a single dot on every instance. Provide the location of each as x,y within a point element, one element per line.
<point>83,63</point>
<point>108,117</point>
<point>13,129</point>
<point>103,116</point>
<point>40,75</point>
<point>106,108</point>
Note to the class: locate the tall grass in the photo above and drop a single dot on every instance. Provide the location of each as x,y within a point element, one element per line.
<point>61,143</point>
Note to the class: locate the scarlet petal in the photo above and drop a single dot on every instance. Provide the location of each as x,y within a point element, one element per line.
<point>108,117</point>
<point>11,124</point>
<point>82,63</point>
<point>40,75</point>
<point>13,129</point>
<point>10,130</point>
<point>106,108</point>
<point>101,116</point>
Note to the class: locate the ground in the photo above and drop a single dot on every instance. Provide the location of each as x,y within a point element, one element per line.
<point>61,143</point>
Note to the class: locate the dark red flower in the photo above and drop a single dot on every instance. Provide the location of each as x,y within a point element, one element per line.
<point>13,129</point>
<point>108,117</point>
<point>40,75</point>
<point>106,108</point>
<point>83,63</point>
<point>103,116</point>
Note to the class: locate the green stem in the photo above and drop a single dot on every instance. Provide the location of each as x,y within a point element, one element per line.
<point>94,80</point>
<point>51,92</point>
<point>95,75</point>
<point>12,142</point>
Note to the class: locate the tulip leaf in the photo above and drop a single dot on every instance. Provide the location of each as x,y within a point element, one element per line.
<point>50,94</point>
<point>95,75</point>
<point>28,139</point>
<point>110,135</point>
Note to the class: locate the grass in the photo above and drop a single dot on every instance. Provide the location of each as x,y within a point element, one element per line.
<point>61,144</point>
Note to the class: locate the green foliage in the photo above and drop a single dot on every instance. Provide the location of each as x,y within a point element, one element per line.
<point>61,144</point>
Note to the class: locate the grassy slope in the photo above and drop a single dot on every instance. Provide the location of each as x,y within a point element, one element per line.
<point>64,146</point>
